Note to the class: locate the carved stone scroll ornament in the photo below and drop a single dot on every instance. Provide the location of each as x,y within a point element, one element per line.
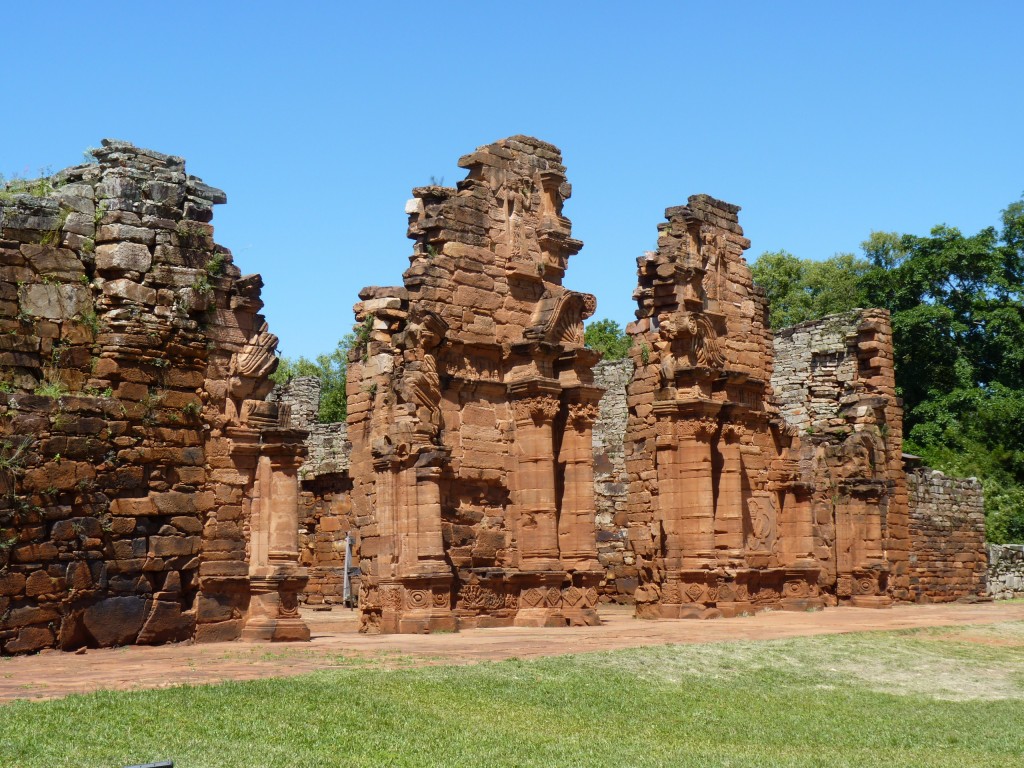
<point>763,519</point>
<point>251,366</point>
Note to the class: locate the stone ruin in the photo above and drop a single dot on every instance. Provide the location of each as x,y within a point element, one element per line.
<point>325,497</point>
<point>718,516</point>
<point>471,402</point>
<point>148,489</point>
<point>836,388</point>
<point>153,488</point>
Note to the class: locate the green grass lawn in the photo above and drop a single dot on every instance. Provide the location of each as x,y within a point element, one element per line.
<point>939,697</point>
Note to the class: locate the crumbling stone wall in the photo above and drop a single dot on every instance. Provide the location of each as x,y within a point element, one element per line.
<point>718,518</point>
<point>948,559</point>
<point>1005,570</point>
<point>325,503</point>
<point>471,401</point>
<point>611,482</point>
<point>144,480</point>
<point>835,384</point>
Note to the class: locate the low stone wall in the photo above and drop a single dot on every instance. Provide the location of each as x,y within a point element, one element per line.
<point>1006,570</point>
<point>948,560</point>
<point>611,482</point>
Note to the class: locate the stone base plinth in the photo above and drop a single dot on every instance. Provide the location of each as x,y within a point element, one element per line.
<point>408,606</point>
<point>712,594</point>
<point>871,601</point>
<point>276,630</point>
<point>274,605</point>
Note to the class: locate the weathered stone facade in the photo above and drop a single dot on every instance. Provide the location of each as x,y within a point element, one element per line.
<point>611,482</point>
<point>948,560</point>
<point>471,401</point>
<point>149,492</point>
<point>153,487</point>
<point>719,518</point>
<point>325,503</point>
<point>836,387</point>
<point>1005,570</point>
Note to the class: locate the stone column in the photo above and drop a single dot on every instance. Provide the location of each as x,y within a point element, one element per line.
<point>576,529</point>
<point>424,574</point>
<point>576,533</point>
<point>540,578</point>
<point>731,501</point>
<point>275,577</point>
<point>536,510</point>
<point>696,493</point>
<point>413,576</point>
<point>870,565</point>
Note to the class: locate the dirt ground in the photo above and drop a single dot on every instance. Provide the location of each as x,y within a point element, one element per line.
<point>336,644</point>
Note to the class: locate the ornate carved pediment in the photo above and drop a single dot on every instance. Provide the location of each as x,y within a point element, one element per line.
<point>559,319</point>
<point>691,340</point>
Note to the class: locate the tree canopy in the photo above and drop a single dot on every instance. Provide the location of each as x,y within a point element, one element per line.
<point>802,289</point>
<point>331,369</point>
<point>608,338</point>
<point>957,304</point>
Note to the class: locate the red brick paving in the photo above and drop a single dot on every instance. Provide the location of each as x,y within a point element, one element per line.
<point>53,674</point>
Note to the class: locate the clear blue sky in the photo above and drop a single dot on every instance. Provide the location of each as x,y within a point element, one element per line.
<point>822,120</point>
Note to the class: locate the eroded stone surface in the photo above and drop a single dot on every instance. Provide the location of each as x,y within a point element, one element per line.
<point>143,476</point>
<point>836,385</point>
<point>471,403</point>
<point>719,521</point>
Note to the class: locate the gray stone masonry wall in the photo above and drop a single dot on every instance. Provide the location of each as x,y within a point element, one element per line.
<point>611,483</point>
<point>1006,570</point>
<point>325,503</point>
<point>327,443</point>
<point>947,533</point>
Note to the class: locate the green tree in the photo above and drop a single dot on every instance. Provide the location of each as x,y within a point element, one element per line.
<point>803,289</point>
<point>608,338</point>
<point>331,369</point>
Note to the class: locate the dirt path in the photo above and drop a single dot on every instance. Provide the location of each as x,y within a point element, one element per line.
<point>335,643</point>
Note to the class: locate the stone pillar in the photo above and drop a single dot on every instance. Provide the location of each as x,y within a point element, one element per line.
<point>275,577</point>
<point>870,566</point>
<point>729,509</point>
<point>576,532</point>
<point>540,576</point>
<point>697,507</point>
<point>413,576</point>
<point>576,535</point>
<point>425,576</point>
<point>535,495</point>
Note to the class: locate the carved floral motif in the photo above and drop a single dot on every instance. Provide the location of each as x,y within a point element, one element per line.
<point>537,409</point>
<point>700,429</point>
<point>583,415</point>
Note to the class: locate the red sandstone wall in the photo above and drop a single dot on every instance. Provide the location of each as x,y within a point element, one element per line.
<point>470,405</point>
<point>128,339</point>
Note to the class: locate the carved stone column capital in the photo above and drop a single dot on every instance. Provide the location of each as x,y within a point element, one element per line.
<point>535,410</point>
<point>732,433</point>
<point>699,429</point>
<point>583,415</point>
